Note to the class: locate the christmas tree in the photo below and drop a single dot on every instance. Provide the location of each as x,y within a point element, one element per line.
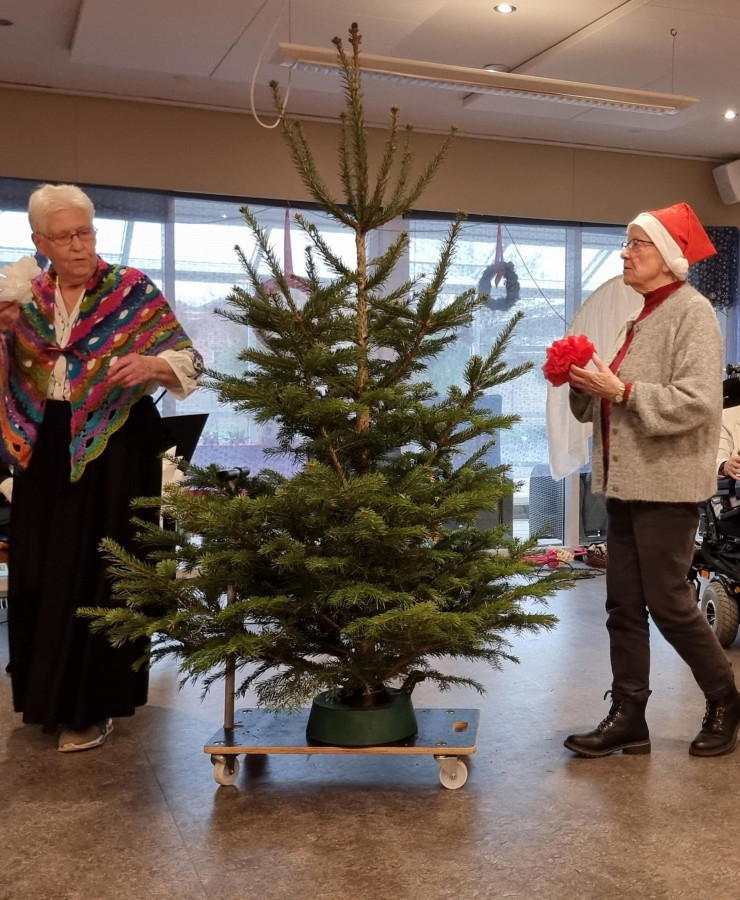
<point>364,569</point>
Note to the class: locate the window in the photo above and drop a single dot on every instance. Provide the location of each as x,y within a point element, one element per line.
<point>555,266</point>
<point>186,246</point>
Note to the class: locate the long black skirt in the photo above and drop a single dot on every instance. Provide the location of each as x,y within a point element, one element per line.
<point>62,673</point>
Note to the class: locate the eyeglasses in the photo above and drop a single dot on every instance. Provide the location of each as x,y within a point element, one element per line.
<point>64,240</point>
<point>634,245</point>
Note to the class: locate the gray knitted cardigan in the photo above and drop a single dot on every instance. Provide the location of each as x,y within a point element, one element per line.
<point>663,441</point>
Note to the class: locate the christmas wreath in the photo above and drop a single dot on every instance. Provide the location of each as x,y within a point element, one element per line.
<point>497,271</point>
<point>576,349</point>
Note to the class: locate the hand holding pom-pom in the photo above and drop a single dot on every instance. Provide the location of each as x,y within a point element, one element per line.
<point>15,283</point>
<point>576,349</point>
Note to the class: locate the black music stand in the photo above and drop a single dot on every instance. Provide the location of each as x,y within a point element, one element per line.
<point>182,433</point>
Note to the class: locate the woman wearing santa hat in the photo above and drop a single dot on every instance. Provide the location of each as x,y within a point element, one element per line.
<point>656,410</point>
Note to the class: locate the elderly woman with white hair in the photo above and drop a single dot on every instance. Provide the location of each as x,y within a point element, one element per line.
<point>656,410</point>
<point>79,363</point>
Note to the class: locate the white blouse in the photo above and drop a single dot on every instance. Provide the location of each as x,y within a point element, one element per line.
<point>181,360</point>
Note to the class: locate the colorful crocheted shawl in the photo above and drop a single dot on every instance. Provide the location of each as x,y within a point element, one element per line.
<point>122,312</point>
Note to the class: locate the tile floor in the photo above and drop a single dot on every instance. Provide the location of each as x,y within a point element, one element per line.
<point>142,817</point>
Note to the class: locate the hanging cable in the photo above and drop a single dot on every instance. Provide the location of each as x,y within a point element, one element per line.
<point>534,280</point>
<point>267,44</point>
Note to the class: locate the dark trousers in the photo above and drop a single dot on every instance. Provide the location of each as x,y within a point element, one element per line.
<point>650,548</point>
<point>62,673</point>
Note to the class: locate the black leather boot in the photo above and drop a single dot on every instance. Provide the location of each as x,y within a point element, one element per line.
<point>624,729</point>
<point>720,726</point>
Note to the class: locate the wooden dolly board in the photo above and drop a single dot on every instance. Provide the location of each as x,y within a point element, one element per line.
<point>446,734</point>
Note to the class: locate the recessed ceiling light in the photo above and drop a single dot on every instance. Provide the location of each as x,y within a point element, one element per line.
<point>730,114</point>
<point>504,8</point>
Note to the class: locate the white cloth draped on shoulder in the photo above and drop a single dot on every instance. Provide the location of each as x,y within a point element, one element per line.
<point>601,317</point>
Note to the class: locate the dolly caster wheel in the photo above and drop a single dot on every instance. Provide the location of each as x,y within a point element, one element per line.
<point>453,773</point>
<point>225,769</point>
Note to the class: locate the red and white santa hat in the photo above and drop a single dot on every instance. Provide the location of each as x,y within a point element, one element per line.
<point>678,236</point>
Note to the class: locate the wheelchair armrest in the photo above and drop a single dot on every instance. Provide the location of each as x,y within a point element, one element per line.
<point>728,487</point>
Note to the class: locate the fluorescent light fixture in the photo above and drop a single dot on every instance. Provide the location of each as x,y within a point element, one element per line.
<point>479,81</point>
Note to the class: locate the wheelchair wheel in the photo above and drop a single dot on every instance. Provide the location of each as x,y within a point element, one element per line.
<point>720,608</point>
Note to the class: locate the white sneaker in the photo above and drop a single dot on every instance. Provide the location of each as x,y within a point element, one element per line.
<point>71,741</point>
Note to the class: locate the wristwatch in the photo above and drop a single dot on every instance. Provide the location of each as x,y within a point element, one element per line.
<point>619,396</point>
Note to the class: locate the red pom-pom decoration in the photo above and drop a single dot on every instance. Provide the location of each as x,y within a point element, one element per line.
<point>576,349</point>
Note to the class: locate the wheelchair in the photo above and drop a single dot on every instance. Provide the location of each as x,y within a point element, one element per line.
<point>715,571</point>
